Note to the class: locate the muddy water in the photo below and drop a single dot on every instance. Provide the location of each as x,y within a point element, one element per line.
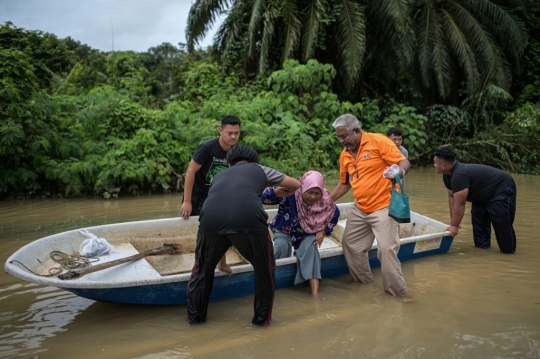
<point>470,303</point>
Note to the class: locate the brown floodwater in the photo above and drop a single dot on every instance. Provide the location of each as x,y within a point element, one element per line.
<point>470,303</point>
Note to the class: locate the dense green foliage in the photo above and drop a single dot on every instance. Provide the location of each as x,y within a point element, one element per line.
<point>78,122</point>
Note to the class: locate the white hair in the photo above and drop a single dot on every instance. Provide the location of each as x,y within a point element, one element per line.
<point>350,122</point>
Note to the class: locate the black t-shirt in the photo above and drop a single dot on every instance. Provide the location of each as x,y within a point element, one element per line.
<point>234,203</point>
<point>212,159</point>
<point>484,182</point>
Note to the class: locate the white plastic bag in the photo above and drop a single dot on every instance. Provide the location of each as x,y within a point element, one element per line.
<point>391,171</point>
<point>94,246</point>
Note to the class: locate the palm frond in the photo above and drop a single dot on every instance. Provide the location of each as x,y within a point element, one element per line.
<point>506,27</point>
<point>292,30</point>
<point>397,24</point>
<point>483,45</point>
<point>443,69</point>
<point>257,11</point>
<point>202,15</point>
<point>271,15</point>
<point>312,24</point>
<point>351,39</point>
<point>460,47</point>
<point>523,5</point>
<point>425,44</point>
<point>230,29</point>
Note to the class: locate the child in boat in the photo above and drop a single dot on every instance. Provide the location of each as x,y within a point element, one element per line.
<point>302,221</point>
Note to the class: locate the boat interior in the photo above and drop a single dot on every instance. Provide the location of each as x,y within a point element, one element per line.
<point>129,239</point>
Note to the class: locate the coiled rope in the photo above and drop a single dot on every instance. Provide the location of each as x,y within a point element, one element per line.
<point>66,262</point>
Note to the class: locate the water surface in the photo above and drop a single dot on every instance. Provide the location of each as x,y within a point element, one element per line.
<point>470,303</point>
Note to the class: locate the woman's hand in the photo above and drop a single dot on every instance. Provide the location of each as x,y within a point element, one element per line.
<point>319,237</point>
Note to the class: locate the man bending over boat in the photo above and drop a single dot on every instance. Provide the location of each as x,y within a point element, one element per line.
<point>302,220</point>
<point>493,196</point>
<point>233,215</point>
<point>361,166</point>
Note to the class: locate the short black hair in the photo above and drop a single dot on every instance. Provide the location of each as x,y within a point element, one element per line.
<point>446,153</point>
<point>394,131</point>
<point>242,153</point>
<point>230,120</point>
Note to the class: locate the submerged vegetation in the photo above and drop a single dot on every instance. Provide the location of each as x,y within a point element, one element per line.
<point>80,122</point>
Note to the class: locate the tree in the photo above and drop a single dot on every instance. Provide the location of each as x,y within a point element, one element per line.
<point>26,135</point>
<point>374,42</point>
<point>476,42</point>
<point>49,55</point>
<point>526,88</point>
<point>299,28</point>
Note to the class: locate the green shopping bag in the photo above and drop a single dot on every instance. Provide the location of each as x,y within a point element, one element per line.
<point>399,208</point>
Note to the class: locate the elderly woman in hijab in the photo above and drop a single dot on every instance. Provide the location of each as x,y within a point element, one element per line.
<point>302,221</point>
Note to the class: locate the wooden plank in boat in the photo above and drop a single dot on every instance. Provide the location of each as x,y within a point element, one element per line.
<point>183,263</point>
<point>328,243</point>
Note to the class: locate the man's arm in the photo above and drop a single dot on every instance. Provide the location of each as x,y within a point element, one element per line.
<point>282,192</point>
<point>290,184</point>
<point>405,165</point>
<point>450,202</point>
<point>340,190</point>
<point>193,168</point>
<point>456,203</point>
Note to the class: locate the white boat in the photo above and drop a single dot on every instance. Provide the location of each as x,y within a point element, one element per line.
<point>162,279</point>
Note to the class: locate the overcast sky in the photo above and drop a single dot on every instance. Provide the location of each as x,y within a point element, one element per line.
<point>136,24</point>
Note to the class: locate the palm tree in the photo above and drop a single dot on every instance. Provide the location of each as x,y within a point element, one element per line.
<point>300,29</point>
<point>463,40</point>
<point>441,42</point>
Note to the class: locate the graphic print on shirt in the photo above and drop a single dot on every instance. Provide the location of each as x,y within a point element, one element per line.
<point>216,166</point>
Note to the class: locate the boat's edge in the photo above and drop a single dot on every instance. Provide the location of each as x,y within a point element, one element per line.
<point>21,273</point>
<point>239,284</point>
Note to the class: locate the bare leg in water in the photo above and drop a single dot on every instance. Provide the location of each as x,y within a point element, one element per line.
<point>223,266</point>
<point>314,284</point>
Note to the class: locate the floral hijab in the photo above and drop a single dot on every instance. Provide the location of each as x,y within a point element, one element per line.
<point>314,218</point>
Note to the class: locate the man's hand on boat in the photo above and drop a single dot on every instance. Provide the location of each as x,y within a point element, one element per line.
<point>454,230</point>
<point>185,211</point>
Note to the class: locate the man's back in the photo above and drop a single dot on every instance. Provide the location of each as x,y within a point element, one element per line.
<point>483,182</point>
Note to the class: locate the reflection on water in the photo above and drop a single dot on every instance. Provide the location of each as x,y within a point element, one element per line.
<point>25,325</point>
<point>470,303</point>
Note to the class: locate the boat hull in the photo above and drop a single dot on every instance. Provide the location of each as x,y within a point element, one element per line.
<point>162,280</point>
<point>241,284</point>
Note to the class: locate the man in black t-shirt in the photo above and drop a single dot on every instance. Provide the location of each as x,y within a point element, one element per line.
<point>493,196</point>
<point>207,161</point>
<point>233,215</point>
